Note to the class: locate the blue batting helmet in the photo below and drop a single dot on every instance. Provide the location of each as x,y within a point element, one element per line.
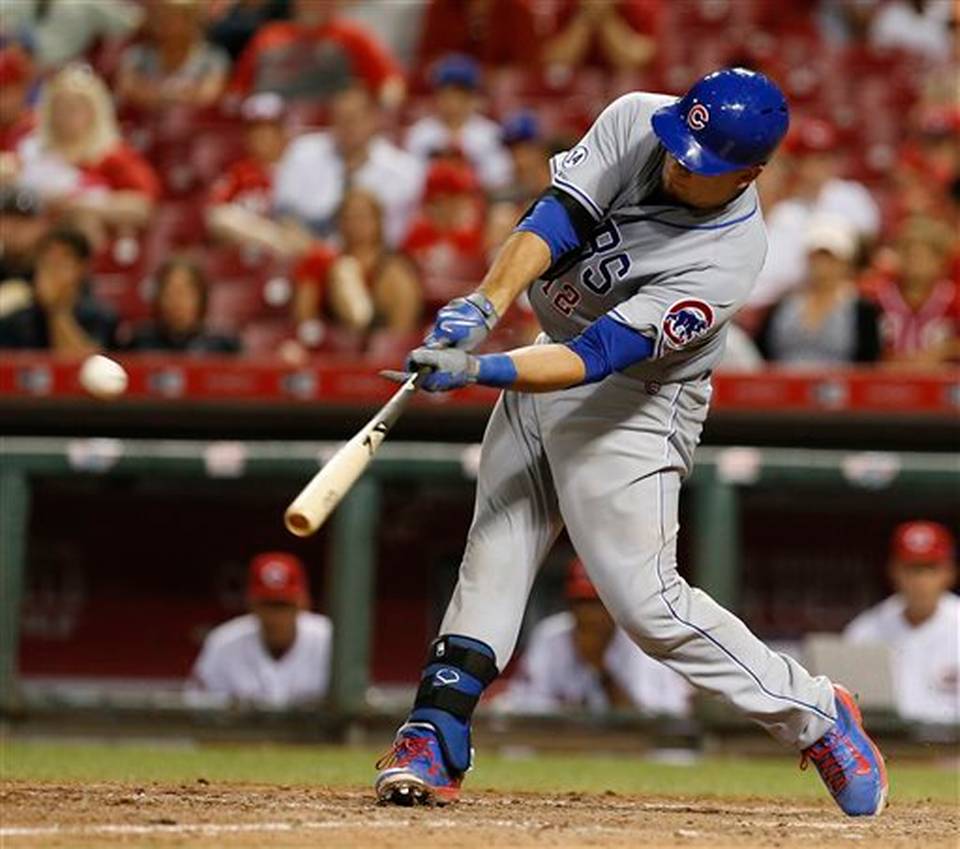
<point>730,119</point>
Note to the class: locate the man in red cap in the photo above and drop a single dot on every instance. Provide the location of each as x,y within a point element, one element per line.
<point>579,659</point>
<point>920,623</point>
<point>277,655</point>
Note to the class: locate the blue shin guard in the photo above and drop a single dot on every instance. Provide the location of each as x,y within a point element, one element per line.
<point>457,671</point>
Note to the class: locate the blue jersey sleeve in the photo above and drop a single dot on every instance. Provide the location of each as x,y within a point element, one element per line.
<point>550,220</point>
<point>607,346</point>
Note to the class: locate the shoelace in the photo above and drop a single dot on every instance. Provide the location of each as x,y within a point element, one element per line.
<point>405,750</point>
<point>827,764</point>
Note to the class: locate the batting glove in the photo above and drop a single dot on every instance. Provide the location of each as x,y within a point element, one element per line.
<point>463,323</point>
<point>447,368</point>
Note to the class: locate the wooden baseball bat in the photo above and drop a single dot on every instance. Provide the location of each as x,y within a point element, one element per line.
<point>317,500</point>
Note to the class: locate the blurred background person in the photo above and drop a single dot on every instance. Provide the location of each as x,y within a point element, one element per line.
<point>240,205</point>
<point>232,23</point>
<point>611,34</point>
<point>180,310</point>
<point>175,66</point>
<point>22,225</point>
<point>580,660</point>
<point>920,623</point>
<point>366,286</point>
<point>63,316</point>
<point>494,32</point>
<point>919,303</point>
<point>77,160</point>
<point>826,321</point>
<point>456,129</point>
<point>59,31</point>
<point>317,168</point>
<point>316,54</point>
<point>276,656</point>
<point>813,188</point>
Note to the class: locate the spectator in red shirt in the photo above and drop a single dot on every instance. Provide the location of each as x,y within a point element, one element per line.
<point>176,66</point>
<point>77,161</point>
<point>494,32</point>
<point>17,119</point>
<point>612,34</point>
<point>446,240</point>
<point>368,286</point>
<point>919,303</point>
<point>240,204</point>
<point>315,55</point>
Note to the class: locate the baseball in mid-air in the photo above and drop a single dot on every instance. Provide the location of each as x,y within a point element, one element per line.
<point>103,377</point>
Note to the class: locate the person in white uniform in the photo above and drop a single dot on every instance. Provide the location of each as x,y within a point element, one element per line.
<point>579,659</point>
<point>920,623</point>
<point>276,656</point>
<point>636,258</point>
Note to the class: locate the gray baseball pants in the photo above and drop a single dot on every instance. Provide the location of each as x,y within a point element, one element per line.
<point>606,460</point>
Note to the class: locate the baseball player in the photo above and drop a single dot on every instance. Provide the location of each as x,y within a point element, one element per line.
<point>636,257</point>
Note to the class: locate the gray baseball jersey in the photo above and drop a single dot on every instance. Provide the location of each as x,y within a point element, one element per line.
<point>674,273</point>
<point>606,460</point>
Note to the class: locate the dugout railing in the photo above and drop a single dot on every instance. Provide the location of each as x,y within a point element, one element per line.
<point>721,475</point>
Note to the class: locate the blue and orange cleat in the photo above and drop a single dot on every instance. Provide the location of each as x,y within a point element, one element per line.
<point>849,762</point>
<point>413,771</point>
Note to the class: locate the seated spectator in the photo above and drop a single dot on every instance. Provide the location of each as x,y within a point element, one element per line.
<point>446,240</point>
<point>530,157</point>
<point>456,128</point>
<point>60,31</point>
<point>816,189</point>
<point>917,26</point>
<point>825,322</point>
<point>22,225</point>
<point>276,656</point>
<point>315,55</point>
<point>929,163</point>
<point>316,169</point>
<point>17,119</point>
<point>175,66</point>
<point>232,24</point>
<point>920,623</point>
<point>180,308</point>
<point>613,34</point>
<point>76,160</point>
<point>494,32</point>
<point>581,660</point>
<point>241,203</point>
<point>63,317</point>
<point>919,303</point>
<point>368,286</point>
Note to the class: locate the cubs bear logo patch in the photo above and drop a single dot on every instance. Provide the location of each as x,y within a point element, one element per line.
<point>685,321</point>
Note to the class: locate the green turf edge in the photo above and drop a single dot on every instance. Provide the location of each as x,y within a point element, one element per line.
<point>776,778</point>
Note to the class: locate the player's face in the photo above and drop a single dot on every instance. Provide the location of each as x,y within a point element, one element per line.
<point>702,192</point>
<point>922,584</point>
<point>278,624</point>
<point>593,631</point>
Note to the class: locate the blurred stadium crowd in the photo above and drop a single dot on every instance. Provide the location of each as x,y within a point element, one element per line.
<point>308,177</point>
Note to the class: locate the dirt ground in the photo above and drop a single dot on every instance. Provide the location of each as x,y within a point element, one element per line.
<point>203,816</point>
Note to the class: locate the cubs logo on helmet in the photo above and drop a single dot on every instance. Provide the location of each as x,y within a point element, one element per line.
<point>686,321</point>
<point>698,117</point>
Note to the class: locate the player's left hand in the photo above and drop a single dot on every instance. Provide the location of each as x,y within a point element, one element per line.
<point>447,368</point>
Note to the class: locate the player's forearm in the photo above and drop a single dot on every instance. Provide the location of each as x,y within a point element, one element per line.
<point>521,260</point>
<point>538,368</point>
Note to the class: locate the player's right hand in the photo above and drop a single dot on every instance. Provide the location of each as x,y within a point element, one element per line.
<point>463,323</point>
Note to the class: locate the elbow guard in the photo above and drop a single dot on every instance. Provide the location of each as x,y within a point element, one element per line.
<point>607,346</point>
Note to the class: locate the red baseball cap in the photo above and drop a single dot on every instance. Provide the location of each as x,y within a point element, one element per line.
<point>922,542</point>
<point>449,178</point>
<point>14,66</point>
<point>277,576</point>
<point>579,587</point>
